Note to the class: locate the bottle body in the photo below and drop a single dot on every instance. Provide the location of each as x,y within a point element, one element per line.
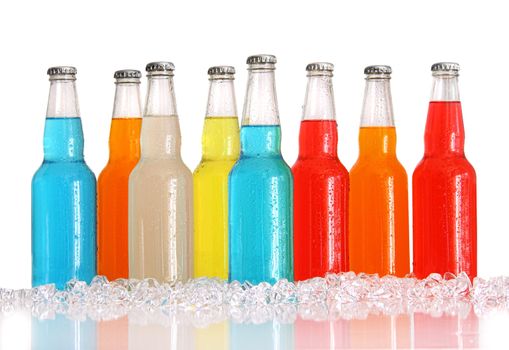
<point>320,203</point>
<point>160,205</point>
<point>63,208</point>
<point>112,198</point>
<point>444,197</point>
<point>379,241</point>
<point>260,209</point>
<point>220,142</point>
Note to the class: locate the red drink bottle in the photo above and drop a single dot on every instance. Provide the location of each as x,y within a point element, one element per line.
<point>444,186</point>
<point>320,184</point>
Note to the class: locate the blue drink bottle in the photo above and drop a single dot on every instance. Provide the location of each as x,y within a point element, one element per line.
<point>260,187</point>
<point>63,192</point>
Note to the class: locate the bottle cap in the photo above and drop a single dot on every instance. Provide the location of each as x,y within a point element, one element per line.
<point>163,68</point>
<point>445,67</point>
<point>62,70</point>
<point>320,67</point>
<point>221,70</point>
<point>127,74</point>
<point>378,69</point>
<point>261,59</point>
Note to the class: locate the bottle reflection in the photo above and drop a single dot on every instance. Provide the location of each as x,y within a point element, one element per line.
<point>163,331</point>
<point>326,334</point>
<point>63,333</point>
<point>112,334</point>
<point>214,336</point>
<point>157,331</point>
<point>271,335</point>
<point>457,332</point>
<point>381,332</point>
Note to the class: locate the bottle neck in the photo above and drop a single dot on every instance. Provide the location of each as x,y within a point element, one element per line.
<point>260,107</point>
<point>160,134</point>
<point>377,107</point>
<point>445,134</point>
<point>127,100</point>
<point>220,139</point>
<point>124,139</point>
<point>319,101</point>
<point>160,96</point>
<point>445,88</point>
<point>318,136</point>
<point>221,101</point>
<point>377,136</point>
<point>63,134</point>
<point>63,99</point>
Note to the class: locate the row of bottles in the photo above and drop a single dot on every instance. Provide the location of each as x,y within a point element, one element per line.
<point>245,214</point>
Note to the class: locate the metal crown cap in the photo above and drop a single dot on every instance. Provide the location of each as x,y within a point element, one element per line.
<point>221,70</point>
<point>62,70</point>
<point>160,67</point>
<point>261,59</point>
<point>320,67</point>
<point>445,67</point>
<point>378,69</point>
<point>127,74</point>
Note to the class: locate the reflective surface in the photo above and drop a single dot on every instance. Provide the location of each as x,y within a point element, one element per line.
<point>155,331</point>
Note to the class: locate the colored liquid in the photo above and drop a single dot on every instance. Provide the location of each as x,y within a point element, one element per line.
<point>444,198</point>
<point>214,336</point>
<point>63,208</point>
<point>62,332</point>
<point>260,209</point>
<point>160,205</point>
<point>320,202</point>
<point>378,239</point>
<point>112,186</point>
<point>268,335</point>
<point>220,151</point>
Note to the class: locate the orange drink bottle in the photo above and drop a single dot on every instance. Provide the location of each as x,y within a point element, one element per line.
<point>378,237</point>
<point>112,219</point>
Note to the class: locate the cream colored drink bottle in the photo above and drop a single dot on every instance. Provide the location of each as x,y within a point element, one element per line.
<point>160,189</point>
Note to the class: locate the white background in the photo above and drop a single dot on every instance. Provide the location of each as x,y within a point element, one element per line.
<point>101,37</point>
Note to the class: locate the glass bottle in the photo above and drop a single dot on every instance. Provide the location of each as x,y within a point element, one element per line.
<point>113,183</point>
<point>260,187</point>
<point>160,189</point>
<point>378,236</point>
<point>321,184</point>
<point>444,186</point>
<point>63,192</point>
<point>220,147</point>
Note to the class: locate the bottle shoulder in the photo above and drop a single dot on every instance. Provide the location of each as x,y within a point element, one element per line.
<point>218,167</point>
<point>261,166</point>
<point>116,172</point>
<point>64,170</point>
<point>119,165</point>
<point>65,166</point>
<point>378,166</point>
<point>320,164</point>
<point>448,166</point>
<point>160,169</point>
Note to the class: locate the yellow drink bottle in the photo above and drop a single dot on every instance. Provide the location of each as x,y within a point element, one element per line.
<point>220,148</point>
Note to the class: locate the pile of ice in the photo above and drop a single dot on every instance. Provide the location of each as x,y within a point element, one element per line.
<point>344,295</point>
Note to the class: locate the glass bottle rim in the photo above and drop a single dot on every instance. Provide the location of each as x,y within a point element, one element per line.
<point>127,81</point>
<point>260,67</point>
<point>445,73</point>
<point>70,77</point>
